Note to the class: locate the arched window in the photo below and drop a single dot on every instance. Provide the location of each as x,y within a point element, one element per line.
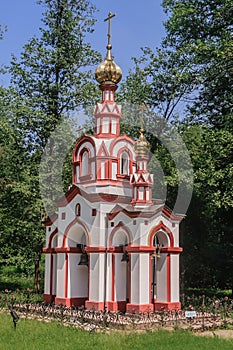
<point>85,158</point>
<point>78,210</point>
<point>124,163</point>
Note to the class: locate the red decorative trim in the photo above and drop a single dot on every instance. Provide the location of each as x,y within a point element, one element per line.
<point>98,169</point>
<point>140,249</point>
<point>88,281</point>
<point>116,306</point>
<point>130,159</point>
<point>110,87</point>
<point>94,305</point>
<point>113,277</point>
<point>49,298</point>
<point>66,275</point>
<point>167,306</point>
<point>103,149</point>
<point>151,296</point>
<point>48,250</point>
<point>139,308</point>
<point>120,138</point>
<point>157,228</point>
<point>141,201</point>
<point>85,177</point>
<point>168,213</point>
<point>106,135</point>
<point>94,197</point>
<point>60,301</point>
<point>52,235</point>
<point>51,275</point>
<point>121,226</point>
<point>122,176</point>
<point>75,302</point>
<point>142,214</point>
<point>112,306</point>
<point>129,279</point>
<point>70,301</point>
<point>128,297</point>
<point>68,250</point>
<point>76,221</point>
<point>50,220</point>
<point>112,198</point>
<point>115,250</point>
<point>132,214</point>
<point>79,143</point>
<point>168,278</point>
<point>172,250</point>
<point>95,249</point>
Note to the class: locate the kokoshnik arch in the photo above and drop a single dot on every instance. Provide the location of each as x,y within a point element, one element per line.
<point>110,246</point>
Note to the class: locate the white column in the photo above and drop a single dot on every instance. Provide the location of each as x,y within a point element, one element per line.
<point>175,292</point>
<point>140,283</point>
<point>47,274</point>
<point>61,270</point>
<point>97,291</point>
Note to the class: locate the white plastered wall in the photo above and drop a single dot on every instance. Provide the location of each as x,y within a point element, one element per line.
<point>120,278</point>
<point>97,269</point>
<point>47,274</point>
<point>175,294</point>
<point>77,278</point>
<point>161,278</point>
<point>140,285</point>
<point>60,275</point>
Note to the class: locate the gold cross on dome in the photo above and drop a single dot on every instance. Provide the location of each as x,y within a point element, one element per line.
<point>110,16</point>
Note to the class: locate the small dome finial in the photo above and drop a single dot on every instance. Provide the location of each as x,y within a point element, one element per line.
<point>108,71</point>
<point>142,146</point>
<point>109,46</point>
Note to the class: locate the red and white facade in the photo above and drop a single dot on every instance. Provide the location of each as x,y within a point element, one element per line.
<point>132,242</point>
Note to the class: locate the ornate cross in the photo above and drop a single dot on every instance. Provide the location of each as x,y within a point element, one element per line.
<point>110,16</point>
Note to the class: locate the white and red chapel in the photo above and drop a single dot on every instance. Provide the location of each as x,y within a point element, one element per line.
<point>110,246</point>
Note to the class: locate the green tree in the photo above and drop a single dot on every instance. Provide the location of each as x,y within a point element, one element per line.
<point>202,31</point>
<point>207,231</point>
<point>20,205</point>
<point>52,74</point>
<point>161,81</point>
<point>51,79</point>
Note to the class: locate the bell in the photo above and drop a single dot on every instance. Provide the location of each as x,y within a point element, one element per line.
<point>125,257</point>
<point>83,260</point>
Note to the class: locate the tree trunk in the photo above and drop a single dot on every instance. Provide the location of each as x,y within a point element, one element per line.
<point>37,275</point>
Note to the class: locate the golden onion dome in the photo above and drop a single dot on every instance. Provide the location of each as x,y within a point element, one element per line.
<point>142,146</point>
<point>108,71</point>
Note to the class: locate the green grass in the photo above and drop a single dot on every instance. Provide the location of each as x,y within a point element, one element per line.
<point>35,335</point>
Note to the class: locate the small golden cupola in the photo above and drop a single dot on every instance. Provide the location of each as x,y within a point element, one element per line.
<point>108,72</point>
<point>141,180</point>
<point>142,146</point>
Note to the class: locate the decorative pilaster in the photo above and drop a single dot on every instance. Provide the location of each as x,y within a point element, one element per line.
<point>142,180</point>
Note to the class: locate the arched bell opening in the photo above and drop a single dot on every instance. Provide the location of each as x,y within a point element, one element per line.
<point>78,263</point>
<point>50,276</point>
<point>159,270</point>
<point>120,270</point>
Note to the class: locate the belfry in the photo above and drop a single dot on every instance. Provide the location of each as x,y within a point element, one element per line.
<point>110,246</point>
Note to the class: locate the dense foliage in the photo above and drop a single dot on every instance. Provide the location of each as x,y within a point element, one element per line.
<point>51,79</point>
<point>187,81</point>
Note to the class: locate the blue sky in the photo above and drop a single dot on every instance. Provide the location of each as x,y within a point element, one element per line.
<point>138,23</point>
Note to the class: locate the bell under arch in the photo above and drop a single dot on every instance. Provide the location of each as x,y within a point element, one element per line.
<point>120,238</point>
<point>75,236</point>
